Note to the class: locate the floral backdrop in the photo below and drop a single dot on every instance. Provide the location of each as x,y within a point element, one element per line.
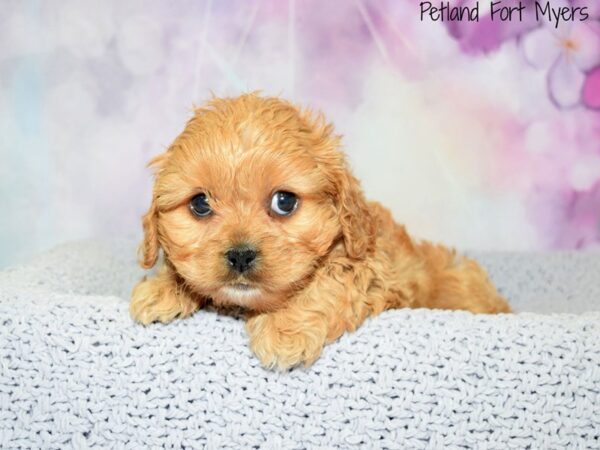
<point>485,135</point>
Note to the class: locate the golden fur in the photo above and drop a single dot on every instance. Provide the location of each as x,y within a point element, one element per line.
<point>321,271</point>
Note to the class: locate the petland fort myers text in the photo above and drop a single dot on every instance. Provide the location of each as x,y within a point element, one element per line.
<point>504,11</point>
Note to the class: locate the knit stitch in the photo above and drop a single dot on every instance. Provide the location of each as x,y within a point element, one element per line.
<point>76,372</point>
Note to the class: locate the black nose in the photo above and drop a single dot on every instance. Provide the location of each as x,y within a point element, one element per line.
<point>241,259</point>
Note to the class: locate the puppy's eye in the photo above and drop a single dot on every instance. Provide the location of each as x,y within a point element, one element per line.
<point>199,205</point>
<point>283,203</point>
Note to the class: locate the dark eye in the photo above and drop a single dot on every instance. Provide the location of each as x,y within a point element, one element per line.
<point>199,205</point>
<point>283,203</point>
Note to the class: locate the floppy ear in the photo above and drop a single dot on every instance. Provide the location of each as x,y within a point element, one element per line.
<point>357,222</point>
<point>358,225</point>
<point>149,248</point>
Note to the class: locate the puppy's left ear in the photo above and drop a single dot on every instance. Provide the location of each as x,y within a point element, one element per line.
<point>359,227</point>
<point>358,224</point>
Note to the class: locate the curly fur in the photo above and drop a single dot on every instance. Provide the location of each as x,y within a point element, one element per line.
<point>321,271</point>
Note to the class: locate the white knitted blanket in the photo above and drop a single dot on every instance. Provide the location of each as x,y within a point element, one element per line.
<point>75,372</point>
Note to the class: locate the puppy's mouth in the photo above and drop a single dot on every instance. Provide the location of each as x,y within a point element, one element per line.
<point>241,286</point>
<point>242,294</point>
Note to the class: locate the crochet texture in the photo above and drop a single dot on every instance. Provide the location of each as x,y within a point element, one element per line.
<point>76,372</point>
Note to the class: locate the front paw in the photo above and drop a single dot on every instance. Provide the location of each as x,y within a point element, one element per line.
<point>279,344</point>
<point>157,300</point>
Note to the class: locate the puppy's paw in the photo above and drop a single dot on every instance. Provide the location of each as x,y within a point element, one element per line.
<point>282,346</point>
<point>158,300</point>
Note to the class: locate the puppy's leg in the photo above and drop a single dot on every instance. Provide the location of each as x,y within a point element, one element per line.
<point>289,336</point>
<point>281,341</point>
<point>322,312</point>
<point>161,298</point>
<point>459,282</point>
<point>343,293</point>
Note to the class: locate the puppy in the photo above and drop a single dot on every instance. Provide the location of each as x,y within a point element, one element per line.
<point>254,206</point>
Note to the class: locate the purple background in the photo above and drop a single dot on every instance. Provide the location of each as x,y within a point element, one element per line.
<point>483,135</point>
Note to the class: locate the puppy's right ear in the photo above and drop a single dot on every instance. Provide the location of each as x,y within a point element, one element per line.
<point>150,246</point>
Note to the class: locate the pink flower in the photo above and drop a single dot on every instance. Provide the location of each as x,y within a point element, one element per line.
<point>567,53</point>
<point>487,34</point>
<point>591,89</point>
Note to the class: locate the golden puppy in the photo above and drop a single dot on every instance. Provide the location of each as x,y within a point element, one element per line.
<point>254,205</point>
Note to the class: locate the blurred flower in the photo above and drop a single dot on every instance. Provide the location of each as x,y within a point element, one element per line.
<point>591,89</point>
<point>567,53</point>
<point>487,34</point>
<point>582,229</point>
<point>570,53</point>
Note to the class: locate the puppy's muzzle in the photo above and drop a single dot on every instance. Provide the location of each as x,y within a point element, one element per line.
<point>241,258</point>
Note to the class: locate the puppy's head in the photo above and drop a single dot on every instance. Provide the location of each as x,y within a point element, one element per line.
<point>249,199</point>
